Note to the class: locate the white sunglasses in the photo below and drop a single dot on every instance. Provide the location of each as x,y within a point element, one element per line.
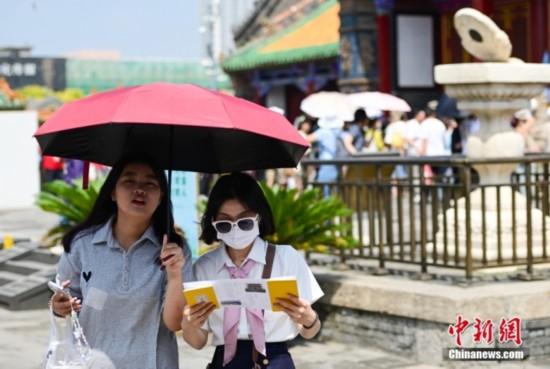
<point>245,224</point>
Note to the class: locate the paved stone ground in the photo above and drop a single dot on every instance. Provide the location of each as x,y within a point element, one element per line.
<point>24,338</point>
<point>24,334</point>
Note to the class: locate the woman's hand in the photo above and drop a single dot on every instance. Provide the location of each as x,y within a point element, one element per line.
<point>193,319</point>
<point>196,315</point>
<point>299,310</point>
<point>62,303</point>
<point>171,259</point>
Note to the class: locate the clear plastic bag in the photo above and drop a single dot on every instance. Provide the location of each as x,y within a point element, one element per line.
<point>63,350</point>
<point>68,348</point>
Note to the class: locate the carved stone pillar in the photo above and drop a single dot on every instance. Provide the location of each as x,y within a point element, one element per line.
<point>493,89</point>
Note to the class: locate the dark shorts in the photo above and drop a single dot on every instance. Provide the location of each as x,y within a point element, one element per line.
<point>277,355</point>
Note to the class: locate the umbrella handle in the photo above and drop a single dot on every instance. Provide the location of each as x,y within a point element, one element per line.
<point>86,175</point>
<point>169,194</point>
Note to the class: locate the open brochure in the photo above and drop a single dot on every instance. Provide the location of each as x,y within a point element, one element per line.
<point>249,293</point>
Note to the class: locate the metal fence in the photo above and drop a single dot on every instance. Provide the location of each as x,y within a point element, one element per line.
<point>449,218</point>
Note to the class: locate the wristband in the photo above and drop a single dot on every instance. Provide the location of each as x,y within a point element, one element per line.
<point>312,324</point>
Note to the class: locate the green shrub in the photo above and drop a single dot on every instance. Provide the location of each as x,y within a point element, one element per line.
<point>308,221</point>
<point>70,201</point>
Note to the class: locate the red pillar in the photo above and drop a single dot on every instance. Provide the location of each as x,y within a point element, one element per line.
<point>484,6</point>
<point>310,79</point>
<point>538,29</point>
<point>384,51</point>
<point>310,88</point>
<point>257,96</point>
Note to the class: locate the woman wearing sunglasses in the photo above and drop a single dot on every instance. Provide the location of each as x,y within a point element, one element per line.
<point>238,215</point>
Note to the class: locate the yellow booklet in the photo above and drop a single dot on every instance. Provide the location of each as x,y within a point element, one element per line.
<point>247,293</point>
<point>201,294</point>
<point>281,287</point>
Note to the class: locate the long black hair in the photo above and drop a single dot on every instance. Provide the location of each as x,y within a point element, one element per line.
<point>243,188</point>
<point>104,207</point>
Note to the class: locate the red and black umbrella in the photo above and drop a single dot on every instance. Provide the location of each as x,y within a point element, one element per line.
<point>182,126</point>
<point>209,131</point>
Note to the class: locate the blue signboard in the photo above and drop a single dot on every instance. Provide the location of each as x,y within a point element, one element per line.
<point>184,200</point>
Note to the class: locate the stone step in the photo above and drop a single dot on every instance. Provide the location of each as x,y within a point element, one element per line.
<point>44,256</point>
<point>20,286</point>
<point>10,254</point>
<point>28,292</point>
<point>9,276</point>
<point>24,274</point>
<point>25,266</point>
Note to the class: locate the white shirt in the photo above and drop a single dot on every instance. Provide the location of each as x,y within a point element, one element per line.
<point>433,130</point>
<point>412,132</point>
<point>395,130</point>
<point>287,262</point>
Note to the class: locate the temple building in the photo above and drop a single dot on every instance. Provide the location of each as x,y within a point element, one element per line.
<point>289,49</point>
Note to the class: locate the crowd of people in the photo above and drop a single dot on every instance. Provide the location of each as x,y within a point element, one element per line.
<point>420,132</point>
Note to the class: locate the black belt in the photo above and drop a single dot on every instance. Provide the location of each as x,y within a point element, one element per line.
<point>274,348</point>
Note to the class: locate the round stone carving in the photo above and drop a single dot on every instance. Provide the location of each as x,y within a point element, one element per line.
<point>481,37</point>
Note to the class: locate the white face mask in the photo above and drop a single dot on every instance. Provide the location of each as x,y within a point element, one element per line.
<point>237,238</point>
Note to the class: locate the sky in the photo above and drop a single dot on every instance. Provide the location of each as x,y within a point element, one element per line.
<point>136,28</point>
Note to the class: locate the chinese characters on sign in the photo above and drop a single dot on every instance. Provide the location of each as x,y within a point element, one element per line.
<point>508,330</point>
<point>18,69</point>
<point>23,71</point>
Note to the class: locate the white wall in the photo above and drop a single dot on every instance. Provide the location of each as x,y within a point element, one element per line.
<point>19,159</point>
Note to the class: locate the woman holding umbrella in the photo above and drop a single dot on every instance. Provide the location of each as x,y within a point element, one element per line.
<point>238,215</point>
<point>123,273</point>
